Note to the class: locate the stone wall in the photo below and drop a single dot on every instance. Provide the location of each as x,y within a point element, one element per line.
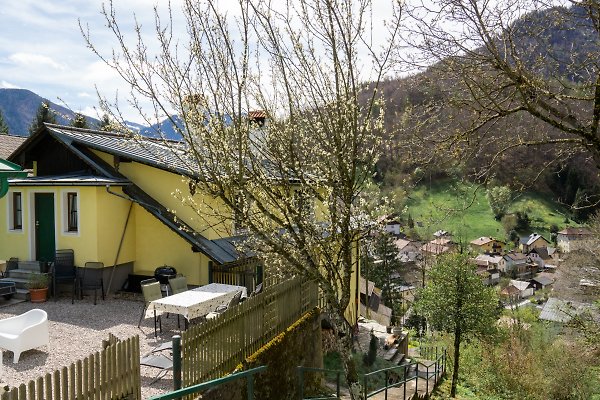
<point>300,344</point>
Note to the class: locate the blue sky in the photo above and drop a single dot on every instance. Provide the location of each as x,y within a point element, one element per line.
<point>42,48</point>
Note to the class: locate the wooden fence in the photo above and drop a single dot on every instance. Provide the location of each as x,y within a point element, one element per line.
<point>113,373</point>
<point>216,347</point>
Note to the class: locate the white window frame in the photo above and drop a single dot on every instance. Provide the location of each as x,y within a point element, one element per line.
<point>65,212</point>
<point>11,211</point>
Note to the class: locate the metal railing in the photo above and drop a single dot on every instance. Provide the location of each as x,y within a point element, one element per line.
<point>408,372</point>
<point>249,375</point>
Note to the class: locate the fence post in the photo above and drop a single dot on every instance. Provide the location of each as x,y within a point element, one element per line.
<point>250,387</point>
<point>387,381</point>
<point>176,362</point>
<point>417,377</point>
<point>436,366</point>
<point>301,382</point>
<point>337,388</point>
<point>427,379</point>
<point>404,396</point>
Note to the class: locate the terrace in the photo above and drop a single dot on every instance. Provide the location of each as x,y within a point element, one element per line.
<point>77,330</point>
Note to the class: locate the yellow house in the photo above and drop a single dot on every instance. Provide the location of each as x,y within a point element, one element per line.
<point>488,245</point>
<point>533,241</point>
<point>110,199</point>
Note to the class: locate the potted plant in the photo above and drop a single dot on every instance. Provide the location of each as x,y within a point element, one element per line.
<point>38,287</point>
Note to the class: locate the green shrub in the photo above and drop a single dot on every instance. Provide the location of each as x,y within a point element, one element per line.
<point>369,358</point>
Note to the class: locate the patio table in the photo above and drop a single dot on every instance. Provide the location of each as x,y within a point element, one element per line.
<point>196,302</point>
<point>223,288</point>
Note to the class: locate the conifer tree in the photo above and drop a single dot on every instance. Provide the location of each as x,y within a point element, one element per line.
<point>3,126</point>
<point>105,123</point>
<point>79,121</point>
<point>44,114</point>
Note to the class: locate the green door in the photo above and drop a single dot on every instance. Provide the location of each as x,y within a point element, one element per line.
<point>44,227</point>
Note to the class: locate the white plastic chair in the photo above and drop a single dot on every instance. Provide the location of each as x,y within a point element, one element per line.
<point>24,332</point>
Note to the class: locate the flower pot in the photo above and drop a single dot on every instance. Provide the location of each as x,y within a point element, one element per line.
<point>38,295</point>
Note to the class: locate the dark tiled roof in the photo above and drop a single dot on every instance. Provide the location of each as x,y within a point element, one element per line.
<point>516,256</point>
<point>575,231</point>
<point>543,280</point>
<point>529,240</point>
<point>9,143</point>
<point>65,180</point>
<point>542,252</point>
<point>168,155</point>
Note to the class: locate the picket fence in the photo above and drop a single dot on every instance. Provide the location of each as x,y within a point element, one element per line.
<point>110,374</point>
<point>217,346</point>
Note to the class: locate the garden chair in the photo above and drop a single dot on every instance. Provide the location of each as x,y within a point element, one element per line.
<point>24,332</point>
<point>235,300</point>
<point>178,284</point>
<point>92,278</point>
<point>151,291</point>
<point>63,270</point>
<point>155,359</point>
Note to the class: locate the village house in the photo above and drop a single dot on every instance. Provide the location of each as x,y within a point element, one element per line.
<point>110,199</point>
<point>544,257</point>
<point>434,248</point>
<point>572,239</point>
<point>533,241</point>
<point>511,260</point>
<point>517,290</point>
<point>487,268</point>
<point>540,282</point>
<point>391,225</point>
<point>371,304</point>
<point>408,250</point>
<point>487,245</point>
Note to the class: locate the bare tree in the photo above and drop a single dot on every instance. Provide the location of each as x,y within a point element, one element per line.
<point>289,176</point>
<point>530,68</point>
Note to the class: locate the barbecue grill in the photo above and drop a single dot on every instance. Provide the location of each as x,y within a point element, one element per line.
<point>162,275</point>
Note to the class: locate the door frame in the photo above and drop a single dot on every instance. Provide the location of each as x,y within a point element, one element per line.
<point>32,228</point>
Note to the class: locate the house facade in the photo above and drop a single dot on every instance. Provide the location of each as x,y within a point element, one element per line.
<point>408,250</point>
<point>110,199</point>
<point>510,260</point>
<point>573,239</point>
<point>517,290</point>
<point>487,245</point>
<point>533,241</point>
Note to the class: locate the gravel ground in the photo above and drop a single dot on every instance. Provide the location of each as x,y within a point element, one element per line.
<point>77,330</point>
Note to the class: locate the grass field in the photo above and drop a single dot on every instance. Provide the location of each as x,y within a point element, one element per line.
<point>463,210</point>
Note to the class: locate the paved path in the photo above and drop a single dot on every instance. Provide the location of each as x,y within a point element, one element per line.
<point>397,393</point>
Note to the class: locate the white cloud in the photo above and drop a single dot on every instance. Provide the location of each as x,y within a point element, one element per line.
<point>8,85</point>
<point>90,112</point>
<point>84,95</point>
<point>29,59</point>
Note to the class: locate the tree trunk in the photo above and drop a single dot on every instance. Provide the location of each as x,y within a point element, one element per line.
<point>354,386</point>
<point>456,361</point>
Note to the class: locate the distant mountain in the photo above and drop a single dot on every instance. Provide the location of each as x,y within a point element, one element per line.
<point>166,129</point>
<point>19,106</point>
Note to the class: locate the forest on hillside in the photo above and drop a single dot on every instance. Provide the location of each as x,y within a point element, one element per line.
<point>423,115</point>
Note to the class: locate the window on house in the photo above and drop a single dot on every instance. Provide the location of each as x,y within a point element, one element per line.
<point>304,203</point>
<point>72,225</point>
<point>17,211</point>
